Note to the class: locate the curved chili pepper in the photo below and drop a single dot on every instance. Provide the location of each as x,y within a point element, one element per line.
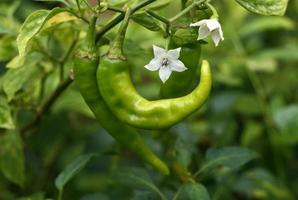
<point>85,76</point>
<point>124,101</point>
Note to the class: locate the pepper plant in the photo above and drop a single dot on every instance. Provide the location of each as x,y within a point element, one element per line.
<point>130,99</point>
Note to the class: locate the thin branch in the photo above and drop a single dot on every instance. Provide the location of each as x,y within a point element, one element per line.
<point>66,57</point>
<point>78,16</point>
<point>158,17</point>
<point>109,26</point>
<point>141,5</point>
<point>119,18</point>
<point>115,9</point>
<point>186,10</point>
<point>47,105</point>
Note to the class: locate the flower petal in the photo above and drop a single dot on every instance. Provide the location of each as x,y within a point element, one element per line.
<point>221,34</point>
<point>174,53</point>
<point>164,73</point>
<point>153,65</point>
<point>199,23</point>
<point>178,66</point>
<point>213,24</point>
<point>158,51</point>
<point>203,32</point>
<point>216,37</point>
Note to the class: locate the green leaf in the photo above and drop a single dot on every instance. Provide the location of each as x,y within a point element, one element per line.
<point>262,64</point>
<point>147,21</point>
<point>6,121</point>
<point>259,183</point>
<point>265,7</point>
<point>71,170</point>
<point>30,28</point>
<point>159,4</point>
<point>266,23</point>
<point>251,134</point>
<point>286,119</point>
<point>12,162</point>
<point>137,178</point>
<point>96,196</point>
<point>247,104</point>
<point>7,48</point>
<point>12,8</point>
<point>286,53</point>
<point>65,2</point>
<point>15,80</point>
<point>232,157</point>
<point>118,2</point>
<point>33,25</point>
<point>8,26</point>
<point>37,196</point>
<point>193,191</point>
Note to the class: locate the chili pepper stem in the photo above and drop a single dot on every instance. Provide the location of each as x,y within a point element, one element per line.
<point>214,12</point>
<point>116,48</point>
<point>92,34</point>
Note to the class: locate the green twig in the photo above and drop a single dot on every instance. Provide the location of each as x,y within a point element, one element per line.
<point>78,16</point>
<point>115,9</point>
<point>213,10</point>
<point>66,57</point>
<point>47,105</point>
<point>60,194</point>
<point>109,26</point>
<point>186,10</point>
<point>78,5</point>
<point>183,4</point>
<point>141,5</point>
<point>158,17</point>
<point>119,18</point>
<point>162,19</point>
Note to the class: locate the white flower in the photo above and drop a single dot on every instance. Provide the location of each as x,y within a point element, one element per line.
<point>207,27</point>
<point>166,62</point>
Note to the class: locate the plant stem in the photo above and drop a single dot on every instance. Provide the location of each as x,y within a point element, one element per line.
<point>91,33</point>
<point>78,16</point>
<point>115,9</point>
<point>214,12</point>
<point>157,16</point>
<point>116,47</point>
<point>176,196</point>
<point>162,19</point>
<point>141,5</point>
<point>186,10</point>
<point>47,105</point>
<point>183,4</point>
<point>109,26</point>
<point>78,5</point>
<point>119,18</point>
<point>66,57</point>
<point>60,194</point>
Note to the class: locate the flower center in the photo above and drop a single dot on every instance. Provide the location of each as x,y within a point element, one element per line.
<point>165,62</point>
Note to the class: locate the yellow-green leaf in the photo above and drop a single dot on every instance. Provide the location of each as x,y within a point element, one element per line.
<point>265,7</point>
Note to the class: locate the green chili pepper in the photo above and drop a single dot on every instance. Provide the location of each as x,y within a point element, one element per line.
<point>85,76</point>
<point>85,67</point>
<point>124,101</point>
<point>180,84</point>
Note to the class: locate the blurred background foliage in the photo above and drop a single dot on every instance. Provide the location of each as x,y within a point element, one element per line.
<point>253,108</point>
